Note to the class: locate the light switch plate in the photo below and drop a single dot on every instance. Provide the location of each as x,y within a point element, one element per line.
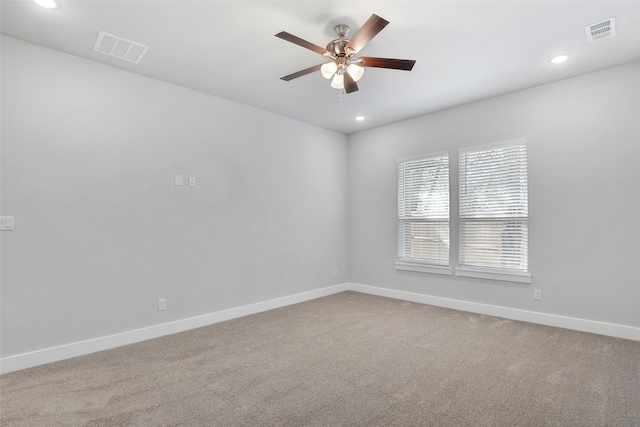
<point>6,223</point>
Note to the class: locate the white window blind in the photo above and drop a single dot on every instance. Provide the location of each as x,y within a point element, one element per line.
<point>494,207</point>
<point>423,210</point>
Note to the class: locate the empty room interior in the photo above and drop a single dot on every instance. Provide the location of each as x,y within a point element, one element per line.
<point>361,213</point>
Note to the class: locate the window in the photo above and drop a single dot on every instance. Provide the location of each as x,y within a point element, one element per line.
<point>494,211</point>
<point>423,214</point>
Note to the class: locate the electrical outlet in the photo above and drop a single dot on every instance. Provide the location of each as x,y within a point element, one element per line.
<point>336,272</point>
<point>192,181</point>
<point>178,180</point>
<point>537,294</point>
<point>162,304</point>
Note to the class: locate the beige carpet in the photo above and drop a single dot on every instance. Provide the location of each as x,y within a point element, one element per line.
<point>349,359</point>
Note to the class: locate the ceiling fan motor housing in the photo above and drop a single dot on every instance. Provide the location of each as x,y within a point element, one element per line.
<point>338,46</point>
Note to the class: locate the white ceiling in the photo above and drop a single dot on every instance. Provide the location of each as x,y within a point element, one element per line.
<point>465,50</point>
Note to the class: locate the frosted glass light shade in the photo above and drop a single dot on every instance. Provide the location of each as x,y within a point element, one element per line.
<point>338,81</point>
<point>328,70</point>
<point>355,71</point>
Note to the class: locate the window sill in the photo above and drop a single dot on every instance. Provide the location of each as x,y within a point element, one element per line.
<point>423,268</point>
<point>481,273</point>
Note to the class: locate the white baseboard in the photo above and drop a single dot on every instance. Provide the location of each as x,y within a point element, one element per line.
<point>53,354</point>
<point>583,325</point>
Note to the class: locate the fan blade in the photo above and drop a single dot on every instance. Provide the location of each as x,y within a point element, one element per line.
<point>369,30</point>
<point>301,73</point>
<point>396,64</point>
<point>300,42</point>
<point>349,84</point>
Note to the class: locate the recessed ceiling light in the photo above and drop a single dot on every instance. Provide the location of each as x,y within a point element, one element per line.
<point>360,118</point>
<point>559,59</point>
<point>49,4</point>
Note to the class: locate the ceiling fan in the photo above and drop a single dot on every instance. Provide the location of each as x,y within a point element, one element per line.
<point>344,69</point>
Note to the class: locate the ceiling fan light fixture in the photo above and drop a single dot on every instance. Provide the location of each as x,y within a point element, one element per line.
<point>328,70</point>
<point>355,71</point>
<point>338,81</point>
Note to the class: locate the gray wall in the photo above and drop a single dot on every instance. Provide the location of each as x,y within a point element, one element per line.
<point>584,195</point>
<point>89,155</point>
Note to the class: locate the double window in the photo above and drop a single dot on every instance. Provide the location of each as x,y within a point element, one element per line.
<point>492,217</point>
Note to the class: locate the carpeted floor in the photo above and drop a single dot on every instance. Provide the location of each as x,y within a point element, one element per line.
<point>345,360</point>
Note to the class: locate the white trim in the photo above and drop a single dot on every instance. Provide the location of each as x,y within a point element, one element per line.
<point>583,325</point>
<point>480,273</point>
<point>423,268</point>
<point>424,156</point>
<point>520,140</point>
<point>53,354</point>
<point>66,351</point>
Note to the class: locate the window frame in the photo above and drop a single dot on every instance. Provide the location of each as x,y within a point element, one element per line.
<point>414,264</point>
<point>486,272</point>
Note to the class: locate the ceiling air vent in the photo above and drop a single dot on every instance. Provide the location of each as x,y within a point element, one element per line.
<point>120,48</point>
<point>601,30</point>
